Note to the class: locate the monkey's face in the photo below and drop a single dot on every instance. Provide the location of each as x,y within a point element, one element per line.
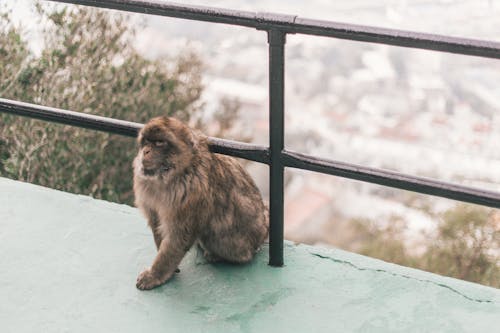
<point>165,146</point>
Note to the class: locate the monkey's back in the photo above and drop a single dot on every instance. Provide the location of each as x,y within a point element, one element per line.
<point>238,224</point>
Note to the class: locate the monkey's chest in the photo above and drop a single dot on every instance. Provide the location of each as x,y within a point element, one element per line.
<point>154,196</point>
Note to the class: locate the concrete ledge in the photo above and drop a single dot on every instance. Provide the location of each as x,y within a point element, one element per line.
<point>69,264</point>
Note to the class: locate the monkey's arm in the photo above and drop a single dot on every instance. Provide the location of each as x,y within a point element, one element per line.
<point>153,222</point>
<point>170,253</point>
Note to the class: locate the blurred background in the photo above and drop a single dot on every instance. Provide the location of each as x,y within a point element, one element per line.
<point>418,112</point>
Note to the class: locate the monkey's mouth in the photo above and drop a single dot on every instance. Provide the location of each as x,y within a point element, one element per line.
<point>165,168</point>
<point>148,172</point>
<point>156,171</point>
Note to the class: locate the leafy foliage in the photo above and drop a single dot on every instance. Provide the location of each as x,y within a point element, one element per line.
<point>87,65</point>
<point>465,245</point>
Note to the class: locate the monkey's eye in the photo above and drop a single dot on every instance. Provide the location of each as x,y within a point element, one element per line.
<point>159,143</point>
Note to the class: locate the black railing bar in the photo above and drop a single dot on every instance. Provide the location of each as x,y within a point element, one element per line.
<point>247,151</point>
<point>126,128</point>
<point>392,179</point>
<point>294,24</point>
<point>276,40</point>
<point>402,38</point>
<point>261,154</point>
<point>66,117</point>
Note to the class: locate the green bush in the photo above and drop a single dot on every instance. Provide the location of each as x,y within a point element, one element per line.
<point>87,65</point>
<point>465,245</point>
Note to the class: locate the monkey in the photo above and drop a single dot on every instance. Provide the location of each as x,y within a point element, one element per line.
<point>190,195</point>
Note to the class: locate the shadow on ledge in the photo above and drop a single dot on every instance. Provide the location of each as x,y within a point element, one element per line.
<point>69,263</point>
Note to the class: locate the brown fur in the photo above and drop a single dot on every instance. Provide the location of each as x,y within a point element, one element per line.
<point>188,195</point>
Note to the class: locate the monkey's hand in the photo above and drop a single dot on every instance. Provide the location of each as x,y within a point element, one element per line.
<point>148,280</point>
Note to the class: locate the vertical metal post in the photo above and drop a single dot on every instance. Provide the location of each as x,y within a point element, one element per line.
<point>276,40</point>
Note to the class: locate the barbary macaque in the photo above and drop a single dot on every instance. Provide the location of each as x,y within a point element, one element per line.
<point>190,195</point>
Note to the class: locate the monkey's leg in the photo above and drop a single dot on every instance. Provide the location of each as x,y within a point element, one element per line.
<point>165,264</point>
<point>209,256</point>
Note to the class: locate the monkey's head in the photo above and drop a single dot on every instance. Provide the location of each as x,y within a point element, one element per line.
<point>166,146</point>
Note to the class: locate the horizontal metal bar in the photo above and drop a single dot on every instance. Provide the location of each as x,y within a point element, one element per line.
<point>247,151</point>
<point>85,120</point>
<point>418,40</point>
<point>189,12</point>
<point>261,154</point>
<point>122,127</point>
<point>392,179</point>
<point>295,24</point>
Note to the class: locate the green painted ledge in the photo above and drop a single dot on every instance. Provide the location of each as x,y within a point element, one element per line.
<point>69,263</point>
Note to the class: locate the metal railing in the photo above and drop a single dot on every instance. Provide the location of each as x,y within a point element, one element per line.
<point>276,156</point>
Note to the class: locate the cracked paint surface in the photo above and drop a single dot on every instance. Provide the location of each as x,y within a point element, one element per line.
<point>69,264</point>
<point>489,300</point>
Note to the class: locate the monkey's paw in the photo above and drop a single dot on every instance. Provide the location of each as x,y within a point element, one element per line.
<point>147,280</point>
